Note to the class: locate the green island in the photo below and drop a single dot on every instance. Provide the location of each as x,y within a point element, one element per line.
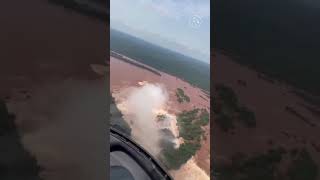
<point>161,117</point>
<point>181,96</point>
<point>228,110</point>
<point>190,125</point>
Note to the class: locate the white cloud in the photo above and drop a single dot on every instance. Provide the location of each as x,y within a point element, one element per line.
<point>184,22</point>
<point>178,9</point>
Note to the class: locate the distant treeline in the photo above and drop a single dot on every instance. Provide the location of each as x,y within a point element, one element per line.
<point>279,38</point>
<point>94,8</point>
<point>191,70</point>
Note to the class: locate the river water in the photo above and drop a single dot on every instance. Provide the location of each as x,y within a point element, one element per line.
<point>45,76</point>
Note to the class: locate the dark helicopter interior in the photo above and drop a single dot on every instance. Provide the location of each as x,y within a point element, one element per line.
<point>129,161</point>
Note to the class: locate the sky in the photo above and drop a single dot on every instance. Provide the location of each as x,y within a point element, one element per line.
<point>179,25</point>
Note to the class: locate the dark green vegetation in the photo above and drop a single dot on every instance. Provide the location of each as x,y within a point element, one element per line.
<point>93,8</point>
<point>161,117</point>
<point>15,162</point>
<point>193,71</point>
<point>228,110</point>
<point>280,38</point>
<point>6,120</point>
<point>247,117</point>
<point>303,167</point>
<point>181,97</point>
<point>174,158</point>
<point>204,118</point>
<point>266,166</point>
<point>190,129</point>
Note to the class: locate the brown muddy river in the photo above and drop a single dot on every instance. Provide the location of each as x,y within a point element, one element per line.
<point>46,80</point>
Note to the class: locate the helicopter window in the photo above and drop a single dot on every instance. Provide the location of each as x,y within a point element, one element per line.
<point>123,167</point>
<point>120,173</point>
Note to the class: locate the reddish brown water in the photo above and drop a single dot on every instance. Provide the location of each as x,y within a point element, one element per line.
<point>43,45</point>
<point>41,42</point>
<point>268,101</point>
<point>124,75</point>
